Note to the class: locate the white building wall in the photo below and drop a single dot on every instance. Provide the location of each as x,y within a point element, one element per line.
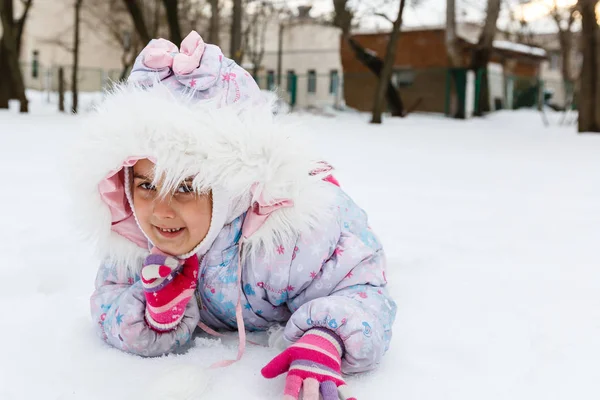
<point>307,45</point>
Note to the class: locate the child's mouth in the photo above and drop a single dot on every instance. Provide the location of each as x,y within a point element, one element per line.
<point>169,232</point>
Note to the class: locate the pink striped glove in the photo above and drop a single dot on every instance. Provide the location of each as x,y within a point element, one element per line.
<point>168,287</point>
<point>314,363</point>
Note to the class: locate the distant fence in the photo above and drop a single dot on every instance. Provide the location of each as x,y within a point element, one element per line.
<point>422,89</point>
<point>305,90</point>
<point>46,78</point>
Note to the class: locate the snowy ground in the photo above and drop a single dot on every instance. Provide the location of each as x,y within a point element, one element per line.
<point>492,228</point>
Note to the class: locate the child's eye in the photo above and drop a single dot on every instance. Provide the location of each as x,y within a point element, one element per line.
<point>147,186</point>
<point>184,189</point>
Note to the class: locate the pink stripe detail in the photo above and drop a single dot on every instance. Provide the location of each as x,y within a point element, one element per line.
<point>321,342</point>
<point>311,352</point>
<point>162,327</point>
<point>316,373</point>
<point>185,295</point>
<point>331,179</point>
<point>293,384</point>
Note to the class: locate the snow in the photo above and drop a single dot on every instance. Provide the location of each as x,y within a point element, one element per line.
<point>491,228</point>
<point>519,48</point>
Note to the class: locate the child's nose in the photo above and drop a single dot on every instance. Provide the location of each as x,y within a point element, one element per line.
<point>163,208</point>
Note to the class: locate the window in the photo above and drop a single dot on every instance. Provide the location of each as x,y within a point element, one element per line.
<point>555,61</point>
<point>333,81</point>
<point>291,80</point>
<point>270,79</point>
<point>403,77</point>
<point>312,81</point>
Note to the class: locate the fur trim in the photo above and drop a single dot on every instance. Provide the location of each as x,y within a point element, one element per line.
<point>230,148</point>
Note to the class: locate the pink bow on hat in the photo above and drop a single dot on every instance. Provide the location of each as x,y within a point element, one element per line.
<point>162,53</point>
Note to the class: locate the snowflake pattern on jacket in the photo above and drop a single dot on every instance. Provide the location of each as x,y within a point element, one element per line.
<point>333,278</point>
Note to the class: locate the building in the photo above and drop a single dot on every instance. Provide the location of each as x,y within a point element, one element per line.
<point>421,69</point>
<point>551,71</point>
<point>311,68</point>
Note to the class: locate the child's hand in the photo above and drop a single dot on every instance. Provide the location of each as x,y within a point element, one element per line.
<point>314,362</point>
<point>168,287</point>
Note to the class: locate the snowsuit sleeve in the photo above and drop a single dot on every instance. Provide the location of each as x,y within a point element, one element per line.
<point>337,281</point>
<point>118,307</point>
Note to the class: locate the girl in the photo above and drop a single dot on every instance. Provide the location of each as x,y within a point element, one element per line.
<point>207,214</point>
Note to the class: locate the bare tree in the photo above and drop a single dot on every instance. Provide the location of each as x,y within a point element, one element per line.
<point>255,34</point>
<point>137,16</point>
<point>75,69</point>
<point>164,18</point>
<point>112,24</point>
<point>215,22</point>
<point>518,28</point>
<point>20,23</point>
<point>172,8</point>
<point>193,16</point>
<point>156,13</point>
<point>388,64</point>
<point>12,84</point>
<point>565,18</point>
<point>455,58</point>
<point>589,103</point>
<point>343,18</point>
<point>483,52</point>
<point>451,35</point>
<point>235,44</point>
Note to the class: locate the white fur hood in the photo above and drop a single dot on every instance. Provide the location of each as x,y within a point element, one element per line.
<point>230,149</point>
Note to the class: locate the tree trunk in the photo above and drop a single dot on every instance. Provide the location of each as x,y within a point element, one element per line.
<point>215,23</point>
<point>451,37</point>
<point>375,65</point>
<point>171,7</point>
<point>454,56</point>
<point>138,20</point>
<point>155,19</point>
<point>20,28</point>
<point>343,20</point>
<point>589,104</point>
<point>235,47</point>
<point>6,79</point>
<point>280,52</point>
<point>388,65</point>
<point>10,55</point>
<point>482,54</point>
<point>75,69</point>
<point>566,49</point>
<point>565,39</point>
<point>61,89</point>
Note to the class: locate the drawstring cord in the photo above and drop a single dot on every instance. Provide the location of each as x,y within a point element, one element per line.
<point>238,317</point>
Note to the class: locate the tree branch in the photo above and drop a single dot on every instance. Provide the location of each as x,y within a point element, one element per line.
<point>171,7</point>
<point>21,23</point>
<point>59,43</point>
<point>382,15</point>
<point>138,20</point>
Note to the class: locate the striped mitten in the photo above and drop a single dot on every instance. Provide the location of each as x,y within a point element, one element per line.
<point>314,363</point>
<point>168,287</point>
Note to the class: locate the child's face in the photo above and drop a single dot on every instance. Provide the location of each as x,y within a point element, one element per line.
<point>175,223</point>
